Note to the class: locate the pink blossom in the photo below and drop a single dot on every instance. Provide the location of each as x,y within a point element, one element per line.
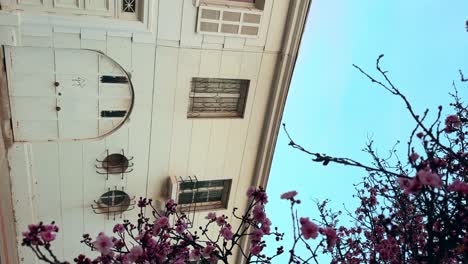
<point>308,228</point>
<point>256,249</point>
<point>330,233</point>
<point>118,228</point>
<point>103,244</point>
<point>135,253</point>
<point>171,205</point>
<point>453,121</point>
<point>410,185</point>
<point>208,250</point>
<point>266,226</point>
<point>226,232</point>
<point>211,216</point>
<point>256,235</point>
<point>47,236</point>
<point>458,186</point>
<point>220,220</point>
<point>427,177</point>
<point>163,221</point>
<point>250,191</point>
<point>414,156</point>
<point>259,213</point>
<point>180,226</point>
<point>289,195</point>
<point>195,254</point>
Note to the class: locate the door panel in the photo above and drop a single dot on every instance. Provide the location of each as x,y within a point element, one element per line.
<point>33,108</point>
<point>32,84</point>
<point>76,61</point>
<point>65,90</point>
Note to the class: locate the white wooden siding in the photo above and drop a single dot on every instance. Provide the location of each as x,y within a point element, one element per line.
<point>158,134</point>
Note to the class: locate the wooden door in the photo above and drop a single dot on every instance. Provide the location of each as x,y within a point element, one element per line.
<point>65,94</point>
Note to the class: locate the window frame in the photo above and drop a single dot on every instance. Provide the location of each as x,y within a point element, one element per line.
<point>222,204</point>
<point>244,85</point>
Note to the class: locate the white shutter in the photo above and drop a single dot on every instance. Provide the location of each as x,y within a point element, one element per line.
<point>228,21</point>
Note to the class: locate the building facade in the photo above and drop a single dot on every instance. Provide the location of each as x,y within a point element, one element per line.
<point>104,101</point>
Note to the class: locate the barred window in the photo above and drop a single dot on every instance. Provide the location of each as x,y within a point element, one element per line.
<point>204,195</point>
<point>212,97</point>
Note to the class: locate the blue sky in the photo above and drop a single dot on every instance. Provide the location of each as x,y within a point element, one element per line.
<point>333,109</point>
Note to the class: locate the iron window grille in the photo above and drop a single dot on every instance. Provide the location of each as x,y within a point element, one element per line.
<point>113,202</point>
<point>192,194</point>
<point>115,163</point>
<point>214,97</point>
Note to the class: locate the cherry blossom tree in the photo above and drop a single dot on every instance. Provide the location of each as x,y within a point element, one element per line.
<point>412,210</point>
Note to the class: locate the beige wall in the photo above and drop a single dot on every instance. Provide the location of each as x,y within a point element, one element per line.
<point>8,252</point>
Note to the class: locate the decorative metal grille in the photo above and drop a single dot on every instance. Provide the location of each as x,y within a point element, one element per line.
<point>115,163</point>
<point>212,97</point>
<point>113,202</point>
<point>129,6</point>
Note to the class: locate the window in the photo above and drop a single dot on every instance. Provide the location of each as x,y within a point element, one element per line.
<point>195,195</point>
<point>242,20</point>
<point>212,97</point>
<point>130,9</point>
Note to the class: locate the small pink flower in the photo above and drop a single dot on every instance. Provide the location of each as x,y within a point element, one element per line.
<point>208,250</point>
<point>135,253</point>
<point>220,220</point>
<point>226,232</point>
<point>47,236</point>
<point>210,216</point>
<point>458,186</point>
<point>103,244</point>
<point>330,233</point>
<point>195,254</point>
<point>452,122</point>
<point>163,221</point>
<point>250,191</point>
<point>118,228</point>
<point>256,235</point>
<point>256,249</point>
<point>308,228</point>
<point>289,195</point>
<point>427,177</point>
<point>259,213</point>
<point>414,156</point>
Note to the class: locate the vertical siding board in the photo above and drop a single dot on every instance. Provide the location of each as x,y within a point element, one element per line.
<point>165,83</point>
<point>188,36</point>
<point>143,72</point>
<point>265,26</point>
<point>201,131</point>
<point>71,173</point>
<point>277,26</point>
<point>170,19</point>
<point>265,80</point>
<point>45,169</point>
<point>235,149</point>
<point>23,189</point>
<point>188,67</point>
<point>94,185</point>
<point>120,50</point>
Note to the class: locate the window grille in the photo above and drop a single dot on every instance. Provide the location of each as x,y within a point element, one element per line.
<point>129,6</point>
<point>212,97</point>
<point>226,21</point>
<point>198,195</point>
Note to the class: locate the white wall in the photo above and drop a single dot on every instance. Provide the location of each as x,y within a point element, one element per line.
<point>57,181</point>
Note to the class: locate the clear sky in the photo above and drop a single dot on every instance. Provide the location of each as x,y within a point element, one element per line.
<point>333,109</point>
